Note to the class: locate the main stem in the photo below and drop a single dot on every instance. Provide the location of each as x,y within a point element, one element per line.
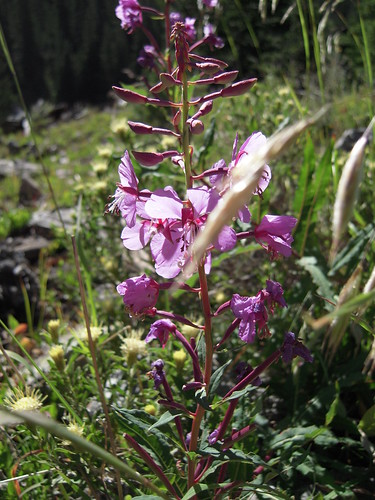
<point>185,131</point>
<point>199,414</point>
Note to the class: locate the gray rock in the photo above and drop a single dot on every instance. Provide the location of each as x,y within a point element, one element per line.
<point>29,193</point>
<point>43,221</point>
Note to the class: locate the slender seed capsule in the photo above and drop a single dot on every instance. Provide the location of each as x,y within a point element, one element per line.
<point>348,189</point>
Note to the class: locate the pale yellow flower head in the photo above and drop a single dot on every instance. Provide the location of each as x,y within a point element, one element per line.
<point>24,400</point>
<point>132,346</point>
<point>104,151</point>
<point>96,332</point>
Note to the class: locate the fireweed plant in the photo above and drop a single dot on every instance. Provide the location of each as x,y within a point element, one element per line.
<point>169,220</point>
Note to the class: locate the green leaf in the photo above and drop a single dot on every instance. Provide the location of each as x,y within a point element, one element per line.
<point>333,409</point>
<point>216,377</point>
<point>351,253</point>
<point>367,423</point>
<point>310,264</point>
<point>138,424</point>
<point>164,419</point>
<point>235,395</point>
<point>201,398</point>
<point>196,489</point>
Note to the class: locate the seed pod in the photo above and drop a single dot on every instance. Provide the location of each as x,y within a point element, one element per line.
<point>347,190</point>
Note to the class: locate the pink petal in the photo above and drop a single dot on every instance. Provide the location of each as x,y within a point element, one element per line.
<point>164,204</point>
<point>136,237</point>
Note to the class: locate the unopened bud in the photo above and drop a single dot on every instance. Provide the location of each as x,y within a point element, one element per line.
<point>208,68</point>
<point>130,96</point>
<point>196,127</point>
<point>57,354</point>
<point>238,88</point>
<point>225,78</point>
<point>53,329</point>
<point>203,110</point>
<point>140,128</point>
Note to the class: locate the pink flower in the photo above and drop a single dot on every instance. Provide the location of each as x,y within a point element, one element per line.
<point>221,175</point>
<point>210,3</point>
<point>275,230</point>
<point>127,198</point>
<point>170,247</point>
<point>253,313</point>
<point>130,14</point>
<point>253,143</point>
<point>139,294</point>
<point>210,37</point>
<point>160,330</point>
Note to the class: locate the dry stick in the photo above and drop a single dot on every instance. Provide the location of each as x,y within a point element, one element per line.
<point>95,364</point>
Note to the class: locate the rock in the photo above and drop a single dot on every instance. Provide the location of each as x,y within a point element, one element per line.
<point>29,246</point>
<point>43,221</point>
<point>29,192</point>
<point>7,168</point>
<point>18,167</point>
<point>26,167</point>
<point>15,271</point>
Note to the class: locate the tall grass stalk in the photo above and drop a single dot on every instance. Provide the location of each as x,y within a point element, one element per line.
<point>305,36</point>
<point>367,58</point>
<point>111,433</point>
<point>316,49</point>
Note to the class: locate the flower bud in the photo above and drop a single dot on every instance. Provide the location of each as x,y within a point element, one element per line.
<point>196,127</point>
<point>53,329</point>
<point>225,78</point>
<point>57,354</point>
<point>208,68</point>
<point>238,88</point>
<point>130,96</point>
<point>140,128</point>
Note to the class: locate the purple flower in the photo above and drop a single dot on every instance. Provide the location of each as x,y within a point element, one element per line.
<point>221,176</point>
<point>212,438</point>
<point>147,56</point>
<point>170,247</point>
<point>274,294</point>
<point>157,373</point>
<point>175,17</point>
<point>275,230</point>
<point>252,144</point>
<point>242,370</point>
<point>130,14</point>
<point>293,347</point>
<point>211,38</point>
<point>252,313</point>
<point>210,3</point>
<point>139,294</point>
<point>190,28</point>
<point>160,330</point>
<point>127,198</point>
